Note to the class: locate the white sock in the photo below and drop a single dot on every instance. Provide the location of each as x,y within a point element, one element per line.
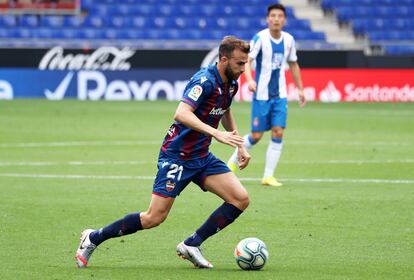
<point>272,156</point>
<point>247,144</point>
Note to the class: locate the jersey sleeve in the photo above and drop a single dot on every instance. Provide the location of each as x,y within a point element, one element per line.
<point>292,54</point>
<point>255,46</point>
<point>196,91</point>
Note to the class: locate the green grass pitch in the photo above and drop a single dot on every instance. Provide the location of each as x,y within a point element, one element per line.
<point>346,210</point>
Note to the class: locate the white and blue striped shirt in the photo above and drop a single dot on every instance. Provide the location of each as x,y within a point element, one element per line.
<point>271,58</point>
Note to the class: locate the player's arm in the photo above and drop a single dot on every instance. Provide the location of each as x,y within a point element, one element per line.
<point>228,121</point>
<point>295,70</point>
<point>229,124</point>
<point>185,115</point>
<point>248,75</point>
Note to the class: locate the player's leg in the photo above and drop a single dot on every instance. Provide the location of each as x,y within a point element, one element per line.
<point>157,212</point>
<point>236,199</point>
<point>216,178</point>
<point>274,149</point>
<point>259,124</point>
<point>160,205</point>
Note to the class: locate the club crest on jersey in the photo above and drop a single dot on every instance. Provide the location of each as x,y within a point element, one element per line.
<point>195,92</point>
<point>170,185</point>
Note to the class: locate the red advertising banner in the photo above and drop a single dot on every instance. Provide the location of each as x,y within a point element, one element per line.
<point>349,85</point>
<point>40,7</point>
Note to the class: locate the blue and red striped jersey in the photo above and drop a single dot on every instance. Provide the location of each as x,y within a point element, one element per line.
<point>210,98</point>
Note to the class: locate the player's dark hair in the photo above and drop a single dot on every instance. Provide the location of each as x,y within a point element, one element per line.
<point>276,6</point>
<point>230,43</point>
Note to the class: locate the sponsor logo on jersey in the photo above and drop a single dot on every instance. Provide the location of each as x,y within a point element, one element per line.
<point>218,111</point>
<point>170,185</point>
<point>203,79</point>
<point>195,92</point>
<point>277,61</point>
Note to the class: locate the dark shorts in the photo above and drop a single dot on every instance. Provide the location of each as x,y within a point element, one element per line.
<point>268,113</point>
<point>174,175</point>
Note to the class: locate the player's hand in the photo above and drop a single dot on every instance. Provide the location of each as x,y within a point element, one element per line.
<point>243,157</point>
<point>302,98</point>
<point>252,85</point>
<point>229,137</point>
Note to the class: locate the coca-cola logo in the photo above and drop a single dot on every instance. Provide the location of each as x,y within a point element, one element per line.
<point>103,58</point>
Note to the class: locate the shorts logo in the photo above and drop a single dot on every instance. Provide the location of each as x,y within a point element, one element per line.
<point>170,185</point>
<point>195,92</point>
<point>256,121</point>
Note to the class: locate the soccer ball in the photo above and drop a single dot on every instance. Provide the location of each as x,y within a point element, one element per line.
<point>251,254</point>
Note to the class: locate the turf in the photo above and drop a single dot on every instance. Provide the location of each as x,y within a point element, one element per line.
<point>346,210</point>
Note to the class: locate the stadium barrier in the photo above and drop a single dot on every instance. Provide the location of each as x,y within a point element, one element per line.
<point>324,85</point>
<point>111,73</point>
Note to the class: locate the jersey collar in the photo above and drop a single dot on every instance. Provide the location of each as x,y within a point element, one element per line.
<point>217,74</point>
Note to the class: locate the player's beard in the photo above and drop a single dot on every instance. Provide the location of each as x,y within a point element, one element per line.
<point>230,74</point>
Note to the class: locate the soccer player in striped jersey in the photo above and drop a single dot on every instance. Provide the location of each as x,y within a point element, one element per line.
<point>272,49</point>
<point>184,157</point>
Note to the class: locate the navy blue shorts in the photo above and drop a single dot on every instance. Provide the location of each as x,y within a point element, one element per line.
<point>174,175</point>
<point>268,113</point>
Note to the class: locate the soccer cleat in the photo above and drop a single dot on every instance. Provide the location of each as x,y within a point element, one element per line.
<point>85,249</point>
<point>193,254</point>
<point>271,181</point>
<point>232,166</point>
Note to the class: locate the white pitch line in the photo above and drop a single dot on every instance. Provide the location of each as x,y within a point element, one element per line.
<point>126,177</point>
<point>75,163</point>
<point>349,143</point>
<point>141,162</point>
<point>158,142</point>
<point>349,161</point>
<point>76,176</point>
<point>338,180</point>
<point>78,143</point>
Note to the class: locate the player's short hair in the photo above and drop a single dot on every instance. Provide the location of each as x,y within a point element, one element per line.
<point>276,6</point>
<point>230,43</point>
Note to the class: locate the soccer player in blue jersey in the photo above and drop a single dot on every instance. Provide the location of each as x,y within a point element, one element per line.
<point>271,49</point>
<point>184,157</point>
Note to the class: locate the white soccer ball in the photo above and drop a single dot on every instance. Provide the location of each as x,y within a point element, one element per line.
<point>251,254</point>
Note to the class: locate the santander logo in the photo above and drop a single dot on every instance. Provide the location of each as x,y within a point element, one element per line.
<point>217,112</point>
<point>330,93</point>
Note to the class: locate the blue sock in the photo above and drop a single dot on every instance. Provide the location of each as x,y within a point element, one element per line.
<point>221,217</point>
<point>277,140</point>
<point>251,140</point>
<point>131,223</point>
